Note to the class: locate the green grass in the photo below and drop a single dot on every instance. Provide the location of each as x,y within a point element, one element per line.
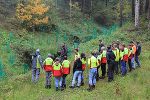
<point>134,86</point>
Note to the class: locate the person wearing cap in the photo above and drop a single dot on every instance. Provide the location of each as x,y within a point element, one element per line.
<point>57,73</point>
<point>36,65</point>
<point>77,73</point>
<point>92,63</point>
<point>47,65</point>
<point>66,70</point>
<point>111,63</point>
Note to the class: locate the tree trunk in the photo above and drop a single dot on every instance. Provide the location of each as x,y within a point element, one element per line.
<point>137,2</point>
<point>133,8</point>
<point>146,5</point>
<point>149,15</point>
<point>106,3</point>
<point>141,6</point>
<point>121,12</point>
<point>70,4</point>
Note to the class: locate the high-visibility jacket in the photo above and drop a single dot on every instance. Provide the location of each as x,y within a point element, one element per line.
<point>104,59</point>
<point>93,62</point>
<point>99,58</point>
<point>125,56</point>
<point>66,67</point>
<point>83,63</point>
<point>130,54</point>
<point>48,64</point>
<point>57,70</point>
<point>77,56</point>
<point>134,49</point>
<point>116,52</point>
<point>38,65</point>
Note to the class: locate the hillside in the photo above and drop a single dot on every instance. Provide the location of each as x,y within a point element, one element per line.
<point>18,44</point>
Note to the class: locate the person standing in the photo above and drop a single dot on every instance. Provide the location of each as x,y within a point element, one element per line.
<point>57,73</point>
<point>124,59</point>
<point>137,54</point>
<point>101,44</point>
<point>36,65</point>
<point>66,70</point>
<point>47,65</point>
<point>116,52</point>
<point>103,62</point>
<point>111,63</point>
<point>92,62</point>
<point>83,60</point>
<point>77,73</point>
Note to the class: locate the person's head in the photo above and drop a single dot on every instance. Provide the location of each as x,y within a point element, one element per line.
<point>103,48</point>
<point>37,51</point>
<point>65,57</point>
<point>109,47</point>
<point>93,53</point>
<point>76,51</point>
<point>83,55</point>
<point>100,41</point>
<point>137,43</point>
<point>115,45</point>
<point>50,55</point>
<point>121,47</point>
<point>57,61</point>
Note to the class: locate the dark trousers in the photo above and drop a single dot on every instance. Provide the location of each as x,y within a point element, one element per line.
<point>116,67</point>
<point>103,68</point>
<point>64,79</point>
<point>97,76</point>
<point>111,67</point>
<point>130,64</point>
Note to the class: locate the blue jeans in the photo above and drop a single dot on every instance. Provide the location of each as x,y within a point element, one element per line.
<point>92,76</point>
<point>35,74</point>
<point>132,62</point>
<point>48,78</point>
<point>77,75</point>
<point>137,60</point>
<point>123,68</point>
<point>58,81</point>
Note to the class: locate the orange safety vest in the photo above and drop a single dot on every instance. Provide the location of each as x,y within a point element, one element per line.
<point>134,49</point>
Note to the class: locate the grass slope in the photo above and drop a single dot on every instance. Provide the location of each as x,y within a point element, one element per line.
<point>134,86</point>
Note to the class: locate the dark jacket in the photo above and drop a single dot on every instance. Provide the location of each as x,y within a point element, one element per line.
<point>138,50</point>
<point>110,56</point>
<point>100,46</point>
<point>77,65</point>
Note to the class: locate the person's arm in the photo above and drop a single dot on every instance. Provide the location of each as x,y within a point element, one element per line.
<point>40,61</point>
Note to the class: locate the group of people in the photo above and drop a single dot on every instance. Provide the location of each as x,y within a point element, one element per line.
<point>114,56</point>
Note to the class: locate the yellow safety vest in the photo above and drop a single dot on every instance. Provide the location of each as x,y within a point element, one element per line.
<point>83,61</point>
<point>38,65</point>
<point>48,61</point>
<point>57,67</point>
<point>116,52</point>
<point>93,62</point>
<point>66,64</point>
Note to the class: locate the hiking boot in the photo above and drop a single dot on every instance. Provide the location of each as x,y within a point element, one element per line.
<point>61,88</point>
<point>49,86</point>
<point>57,88</point>
<point>82,84</point>
<point>102,77</point>
<point>72,87</point>
<point>78,86</point>
<point>46,86</point>
<point>93,86</point>
<point>90,88</point>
